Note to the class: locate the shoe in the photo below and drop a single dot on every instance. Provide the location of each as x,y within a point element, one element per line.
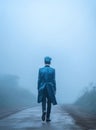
<point>48,120</point>
<point>43,116</point>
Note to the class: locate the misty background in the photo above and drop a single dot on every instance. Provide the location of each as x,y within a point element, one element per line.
<point>64,30</point>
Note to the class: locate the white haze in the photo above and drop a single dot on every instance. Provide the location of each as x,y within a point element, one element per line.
<point>64,30</point>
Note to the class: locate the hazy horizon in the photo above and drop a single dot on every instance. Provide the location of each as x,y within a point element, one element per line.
<point>64,30</point>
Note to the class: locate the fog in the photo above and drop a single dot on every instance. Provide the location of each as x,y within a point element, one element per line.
<point>64,30</point>
<point>12,95</point>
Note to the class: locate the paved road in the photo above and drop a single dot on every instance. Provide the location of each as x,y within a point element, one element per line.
<point>30,119</point>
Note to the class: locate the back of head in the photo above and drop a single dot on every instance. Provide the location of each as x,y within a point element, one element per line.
<point>47,60</point>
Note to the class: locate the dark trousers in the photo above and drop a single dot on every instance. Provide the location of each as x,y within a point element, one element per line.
<point>46,102</point>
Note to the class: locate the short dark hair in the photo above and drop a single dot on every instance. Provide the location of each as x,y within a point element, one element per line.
<point>47,60</point>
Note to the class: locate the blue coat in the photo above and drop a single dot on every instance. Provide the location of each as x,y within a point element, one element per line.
<point>46,78</point>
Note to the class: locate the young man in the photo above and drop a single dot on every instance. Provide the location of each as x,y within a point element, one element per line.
<point>46,88</point>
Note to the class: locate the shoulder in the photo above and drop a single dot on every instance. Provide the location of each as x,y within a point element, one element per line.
<point>41,69</point>
<point>52,69</point>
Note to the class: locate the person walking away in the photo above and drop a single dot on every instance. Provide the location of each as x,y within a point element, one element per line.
<point>46,88</point>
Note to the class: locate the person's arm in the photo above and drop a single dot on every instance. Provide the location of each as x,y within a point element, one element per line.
<point>54,81</point>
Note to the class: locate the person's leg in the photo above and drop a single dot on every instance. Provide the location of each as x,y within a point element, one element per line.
<point>44,106</point>
<point>48,106</point>
<point>48,109</point>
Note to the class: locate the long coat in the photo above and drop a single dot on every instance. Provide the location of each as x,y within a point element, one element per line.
<point>46,78</point>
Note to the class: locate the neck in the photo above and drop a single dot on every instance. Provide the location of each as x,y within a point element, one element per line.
<point>47,65</point>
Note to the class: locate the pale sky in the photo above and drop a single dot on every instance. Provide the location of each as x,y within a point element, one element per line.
<point>64,30</point>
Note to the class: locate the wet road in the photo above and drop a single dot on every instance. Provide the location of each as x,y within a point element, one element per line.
<point>30,119</point>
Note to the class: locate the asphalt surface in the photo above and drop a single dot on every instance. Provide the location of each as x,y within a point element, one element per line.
<point>30,119</point>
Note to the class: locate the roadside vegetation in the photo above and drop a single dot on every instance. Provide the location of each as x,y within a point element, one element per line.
<point>87,100</point>
<point>12,95</point>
